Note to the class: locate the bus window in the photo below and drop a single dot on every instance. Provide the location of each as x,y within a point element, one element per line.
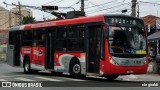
<point>61,39</point>
<point>76,38</point>
<point>27,38</point>
<point>38,38</point>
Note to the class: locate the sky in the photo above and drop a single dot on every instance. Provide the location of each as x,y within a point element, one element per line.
<point>92,7</point>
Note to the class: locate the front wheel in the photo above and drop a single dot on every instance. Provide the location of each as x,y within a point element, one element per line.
<point>111,77</point>
<point>75,69</point>
<point>27,67</point>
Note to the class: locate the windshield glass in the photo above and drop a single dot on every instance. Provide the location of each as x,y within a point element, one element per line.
<point>127,40</point>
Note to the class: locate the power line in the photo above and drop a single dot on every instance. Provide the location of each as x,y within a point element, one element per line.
<point>107,8</point>
<point>149,3</point>
<point>3,1</point>
<point>100,4</point>
<point>57,2</point>
<point>70,6</point>
<point>49,2</point>
<point>7,21</point>
<point>119,10</point>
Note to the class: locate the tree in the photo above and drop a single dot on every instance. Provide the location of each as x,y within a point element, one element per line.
<point>28,19</point>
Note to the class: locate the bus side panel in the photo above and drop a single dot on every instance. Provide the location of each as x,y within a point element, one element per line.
<point>104,64</point>
<point>62,61</point>
<point>26,51</point>
<point>10,55</point>
<point>38,56</point>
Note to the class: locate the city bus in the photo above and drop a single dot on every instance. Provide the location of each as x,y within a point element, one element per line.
<point>103,46</point>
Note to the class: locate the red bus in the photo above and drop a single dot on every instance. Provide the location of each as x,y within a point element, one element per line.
<point>104,45</point>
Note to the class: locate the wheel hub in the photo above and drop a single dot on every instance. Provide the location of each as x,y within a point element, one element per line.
<point>76,68</point>
<point>27,67</point>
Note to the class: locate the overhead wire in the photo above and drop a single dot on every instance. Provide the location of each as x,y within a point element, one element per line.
<point>105,6</point>
<point>89,12</point>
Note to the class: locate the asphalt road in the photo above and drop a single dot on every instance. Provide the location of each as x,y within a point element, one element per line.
<point>65,82</point>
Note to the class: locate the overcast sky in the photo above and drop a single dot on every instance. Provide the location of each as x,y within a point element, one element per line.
<point>92,7</point>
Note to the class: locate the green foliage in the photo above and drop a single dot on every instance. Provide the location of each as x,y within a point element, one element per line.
<point>28,19</point>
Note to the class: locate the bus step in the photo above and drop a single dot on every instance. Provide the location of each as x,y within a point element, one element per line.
<point>92,74</point>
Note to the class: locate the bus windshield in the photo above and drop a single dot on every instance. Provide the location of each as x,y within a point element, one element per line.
<point>127,40</point>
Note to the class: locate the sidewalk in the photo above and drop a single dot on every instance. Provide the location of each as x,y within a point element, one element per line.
<point>152,68</point>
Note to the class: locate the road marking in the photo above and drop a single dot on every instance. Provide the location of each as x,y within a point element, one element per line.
<point>48,79</point>
<point>132,76</point>
<point>16,75</point>
<point>72,79</point>
<point>24,79</point>
<point>3,80</point>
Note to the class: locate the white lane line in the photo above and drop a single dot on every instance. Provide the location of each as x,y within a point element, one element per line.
<point>48,79</point>
<point>24,79</point>
<point>71,79</point>
<point>16,75</point>
<point>132,76</point>
<point>3,80</point>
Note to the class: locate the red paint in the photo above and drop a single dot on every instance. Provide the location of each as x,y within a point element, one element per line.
<point>65,22</point>
<point>36,54</point>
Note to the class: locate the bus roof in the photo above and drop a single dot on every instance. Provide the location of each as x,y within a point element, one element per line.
<point>63,22</point>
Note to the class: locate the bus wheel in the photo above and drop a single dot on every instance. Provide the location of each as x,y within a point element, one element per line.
<point>75,69</point>
<point>111,77</point>
<point>26,66</point>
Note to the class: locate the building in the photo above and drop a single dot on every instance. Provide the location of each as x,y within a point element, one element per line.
<point>152,24</point>
<point>12,17</point>
<point>15,18</point>
<point>4,18</point>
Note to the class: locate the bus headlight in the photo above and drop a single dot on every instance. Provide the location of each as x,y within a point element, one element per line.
<point>112,61</point>
<point>145,61</point>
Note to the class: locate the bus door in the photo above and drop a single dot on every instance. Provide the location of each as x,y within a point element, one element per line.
<point>93,41</point>
<point>14,48</point>
<point>50,49</point>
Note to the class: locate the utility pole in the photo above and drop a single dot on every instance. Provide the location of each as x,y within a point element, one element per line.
<point>82,5</point>
<point>133,8</point>
<point>9,18</point>
<point>20,15</point>
<point>137,9</point>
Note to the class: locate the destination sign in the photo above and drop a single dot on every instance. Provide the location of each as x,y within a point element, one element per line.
<point>124,21</point>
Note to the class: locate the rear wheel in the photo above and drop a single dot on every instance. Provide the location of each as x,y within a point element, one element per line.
<point>111,77</point>
<point>75,69</point>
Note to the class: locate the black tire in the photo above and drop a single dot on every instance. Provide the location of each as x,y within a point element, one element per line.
<point>111,77</point>
<point>56,73</point>
<point>75,69</point>
<point>27,66</point>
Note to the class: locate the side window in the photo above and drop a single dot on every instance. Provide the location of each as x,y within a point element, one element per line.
<point>61,35</point>
<point>11,37</point>
<point>38,37</point>
<point>27,38</point>
<point>76,38</point>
